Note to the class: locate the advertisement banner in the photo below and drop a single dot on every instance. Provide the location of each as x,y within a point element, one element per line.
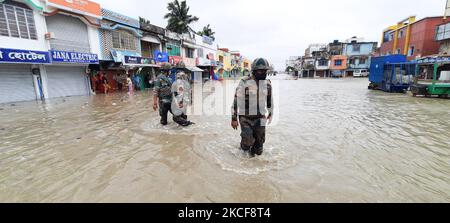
<point>139,60</point>
<point>74,57</point>
<point>174,60</point>
<point>161,57</point>
<point>24,56</point>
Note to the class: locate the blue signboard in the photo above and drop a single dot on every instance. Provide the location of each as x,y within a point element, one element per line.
<point>73,57</point>
<point>161,57</point>
<point>119,55</point>
<point>23,56</point>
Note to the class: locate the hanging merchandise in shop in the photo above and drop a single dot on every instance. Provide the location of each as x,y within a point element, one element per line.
<point>73,57</point>
<point>24,56</point>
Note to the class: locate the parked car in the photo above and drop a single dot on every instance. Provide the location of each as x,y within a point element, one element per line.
<point>361,73</point>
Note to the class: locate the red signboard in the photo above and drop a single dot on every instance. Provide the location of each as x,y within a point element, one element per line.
<point>174,60</point>
<point>83,7</point>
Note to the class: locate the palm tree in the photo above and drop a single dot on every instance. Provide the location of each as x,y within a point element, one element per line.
<point>179,18</point>
<point>207,31</point>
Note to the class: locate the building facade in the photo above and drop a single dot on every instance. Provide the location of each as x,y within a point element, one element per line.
<point>206,56</point>
<point>412,38</point>
<point>223,58</point>
<point>120,41</point>
<point>358,54</point>
<point>72,32</point>
<point>23,51</point>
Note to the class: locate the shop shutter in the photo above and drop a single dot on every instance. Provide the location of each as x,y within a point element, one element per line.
<point>66,81</point>
<point>71,34</point>
<point>16,83</point>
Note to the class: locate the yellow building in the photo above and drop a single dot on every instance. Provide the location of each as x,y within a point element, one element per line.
<point>223,58</point>
<point>246,66</point>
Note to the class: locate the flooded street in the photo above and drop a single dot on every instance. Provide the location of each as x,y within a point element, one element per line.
<point>335,141</point>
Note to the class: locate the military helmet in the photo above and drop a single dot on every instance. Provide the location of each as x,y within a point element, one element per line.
<point>166,66</point>
<point>181,75</point>
<point>260,64</point>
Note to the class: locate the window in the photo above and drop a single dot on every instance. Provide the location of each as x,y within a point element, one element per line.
<point>323,62</point>
<point>362,61</point>
<point>173,50</point>
<point>123,40</point>
<point>17,22</point>
<point>221,59</point>
<point>352,62</point>
<point>411,51</point>
<point>356,48</point>
<point>338,63</point>
<point>401,34</point>
<point>200,53</point>
<point>189,53</point>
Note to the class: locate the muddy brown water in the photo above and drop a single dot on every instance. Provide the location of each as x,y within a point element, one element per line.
<point>334,141</point>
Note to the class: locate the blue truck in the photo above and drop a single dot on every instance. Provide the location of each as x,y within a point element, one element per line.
<point>391,73</point>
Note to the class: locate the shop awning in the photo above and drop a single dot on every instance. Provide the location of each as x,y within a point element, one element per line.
<point>190,45</point>
<point>140,65</point>
<point>194,69</point>
<point>119,55</point>
<point>151,39</point>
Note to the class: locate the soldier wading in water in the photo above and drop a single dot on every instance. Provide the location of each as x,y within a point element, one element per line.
<point>163,96</point>
<point>253,99</point>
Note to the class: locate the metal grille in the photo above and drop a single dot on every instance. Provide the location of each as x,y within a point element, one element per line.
<point>17,22</point>
<point>106,43</point>
<point>3,24</point>
<point>71,34</point>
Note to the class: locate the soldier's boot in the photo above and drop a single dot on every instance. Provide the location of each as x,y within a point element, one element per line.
<point>180,120</point>
<point>163,111</point>
<point>257,151</point>
<point>260,139</point>
<point>247,141</point>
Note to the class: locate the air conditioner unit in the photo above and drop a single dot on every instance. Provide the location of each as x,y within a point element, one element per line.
<point>50,35</point>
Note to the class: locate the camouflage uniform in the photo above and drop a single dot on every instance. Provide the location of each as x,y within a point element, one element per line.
<point>162,90</point>
<point>251,102</point>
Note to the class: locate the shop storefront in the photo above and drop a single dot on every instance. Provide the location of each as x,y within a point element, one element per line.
<point>120,37</point>
<point>145,70</point>
<point>20,74</point>
<point>73,36</point>
<point>68,74</point>
<point>208,66</point>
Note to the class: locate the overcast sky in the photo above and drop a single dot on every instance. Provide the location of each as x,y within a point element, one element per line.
<point>277,29</point>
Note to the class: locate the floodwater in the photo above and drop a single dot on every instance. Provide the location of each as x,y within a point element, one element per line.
<point>334,141</point>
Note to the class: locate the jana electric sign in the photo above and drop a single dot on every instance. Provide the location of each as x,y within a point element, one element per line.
<point>74,57</point>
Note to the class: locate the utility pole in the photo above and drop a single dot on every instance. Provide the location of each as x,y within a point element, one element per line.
<point>446,13</point>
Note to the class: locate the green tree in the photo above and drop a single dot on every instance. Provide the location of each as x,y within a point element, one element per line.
<point>179,18</point>
<point>207,31</point>
<point>144,21</point>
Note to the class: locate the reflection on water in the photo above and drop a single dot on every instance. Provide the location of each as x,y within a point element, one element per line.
<point>335,142</point>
